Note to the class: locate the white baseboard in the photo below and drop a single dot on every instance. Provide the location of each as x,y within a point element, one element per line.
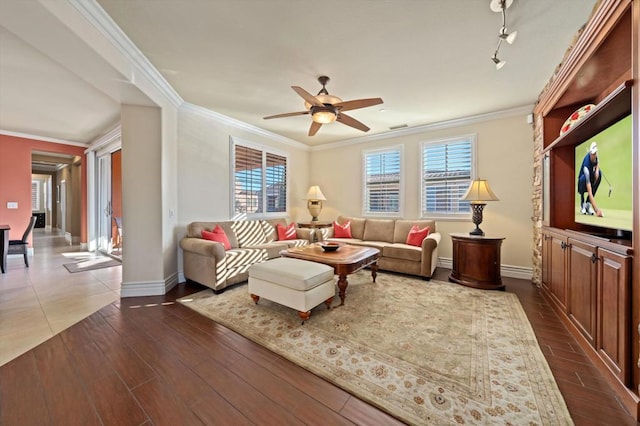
<point>148,288</point>
<point>511,271</point>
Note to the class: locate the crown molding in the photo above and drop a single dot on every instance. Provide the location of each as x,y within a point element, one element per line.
<point>108,138</point>
<point>41,138</point>
<point>456,122</point>
<point>97,17</point>
<point>241,125</point>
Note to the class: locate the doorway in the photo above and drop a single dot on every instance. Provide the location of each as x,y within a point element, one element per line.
<point>109,220</point>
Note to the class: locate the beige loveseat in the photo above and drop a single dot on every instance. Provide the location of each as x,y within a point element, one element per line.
<point>208,263</point>
<point>390,236</point>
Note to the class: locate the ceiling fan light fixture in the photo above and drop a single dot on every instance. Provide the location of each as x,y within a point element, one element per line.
<point>324,114</point>
<point>325,99</point>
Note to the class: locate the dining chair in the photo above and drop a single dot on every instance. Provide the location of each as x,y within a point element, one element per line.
<point>20,246</point>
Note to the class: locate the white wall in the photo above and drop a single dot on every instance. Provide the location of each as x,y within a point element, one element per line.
<point>143,270</point>
<point>203,169</point>
<point>504,158</point>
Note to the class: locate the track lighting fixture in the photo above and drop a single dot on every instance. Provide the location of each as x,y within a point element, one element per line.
<point>502,6</point>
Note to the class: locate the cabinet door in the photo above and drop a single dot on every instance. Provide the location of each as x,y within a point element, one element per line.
<point>613,331</point>
<point>557,270</point>
<point>582,288</point>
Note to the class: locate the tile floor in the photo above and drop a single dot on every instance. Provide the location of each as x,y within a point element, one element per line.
<point>40,301</point>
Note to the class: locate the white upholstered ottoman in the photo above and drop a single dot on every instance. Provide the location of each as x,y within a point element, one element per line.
<point>297,284</point>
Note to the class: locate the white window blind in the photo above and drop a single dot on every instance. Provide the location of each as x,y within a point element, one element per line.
<point>276,183</point>
<point>447,170</point>
<point>259,181</point>
<point>382,182</point>
<point>35,195</point>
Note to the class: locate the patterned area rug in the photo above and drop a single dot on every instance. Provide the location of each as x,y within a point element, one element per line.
<point>427,352</point>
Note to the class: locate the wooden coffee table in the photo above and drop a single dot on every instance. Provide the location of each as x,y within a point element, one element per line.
<point>344,261</point>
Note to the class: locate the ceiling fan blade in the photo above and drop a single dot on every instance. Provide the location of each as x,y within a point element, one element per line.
<point>352,122</point>
<point>314,128</point>
<point>358,103</point>
<point>287,114</point>
<point>307,96</point>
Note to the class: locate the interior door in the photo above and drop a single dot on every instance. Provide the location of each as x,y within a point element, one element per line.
<point>104,209</point>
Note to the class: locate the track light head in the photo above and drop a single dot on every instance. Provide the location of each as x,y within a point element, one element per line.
<point>498,62</point>
<point>500,5</point>
<point>508,37</point>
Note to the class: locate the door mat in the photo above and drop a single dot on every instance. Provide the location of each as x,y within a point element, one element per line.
<point>91,264</point>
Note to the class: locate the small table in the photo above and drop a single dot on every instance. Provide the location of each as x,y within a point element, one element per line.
<point>315,225</point>
<point>4,246</point>
<point>344,261</point>
<point>476,261</point>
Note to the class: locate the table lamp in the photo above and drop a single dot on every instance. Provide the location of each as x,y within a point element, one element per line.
<point>315,197</point>
<point>477,194</point>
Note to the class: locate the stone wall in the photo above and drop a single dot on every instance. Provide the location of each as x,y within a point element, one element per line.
<point>538,144</point>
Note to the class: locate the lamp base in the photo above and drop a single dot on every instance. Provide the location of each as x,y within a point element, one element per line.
<point>477,218</point>
<point>315,207</point>
<point>477,231</point>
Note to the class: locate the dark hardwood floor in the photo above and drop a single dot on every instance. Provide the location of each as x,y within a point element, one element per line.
<point>149,361</point>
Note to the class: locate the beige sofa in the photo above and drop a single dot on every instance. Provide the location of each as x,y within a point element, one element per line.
<point>252,241</point>
<point>390,236</point>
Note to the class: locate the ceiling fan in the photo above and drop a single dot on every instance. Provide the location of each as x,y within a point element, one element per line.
<point>325,108</point>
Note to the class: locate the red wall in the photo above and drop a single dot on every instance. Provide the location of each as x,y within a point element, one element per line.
<point>15,181</point>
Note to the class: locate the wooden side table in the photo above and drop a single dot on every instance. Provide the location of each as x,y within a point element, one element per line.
<point>476,261</point>
<point>315,225</point>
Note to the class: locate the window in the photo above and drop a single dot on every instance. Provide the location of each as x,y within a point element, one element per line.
<point>447,171</point>
<point>259,181</point>
<point>382,182</point>
<point>35,195</point>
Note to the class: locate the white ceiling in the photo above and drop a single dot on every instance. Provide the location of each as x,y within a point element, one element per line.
<point>429,60</point>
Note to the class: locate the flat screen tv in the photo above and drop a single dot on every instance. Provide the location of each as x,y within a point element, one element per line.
<point>612,190</point>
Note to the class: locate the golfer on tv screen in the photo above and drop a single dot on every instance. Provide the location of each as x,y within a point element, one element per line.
<point>588,182</point>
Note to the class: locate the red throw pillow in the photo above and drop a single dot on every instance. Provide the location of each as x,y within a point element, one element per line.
<point>217,235</point>
<point>342,231</point>
<point>417,235</point>
<point>286,232</point>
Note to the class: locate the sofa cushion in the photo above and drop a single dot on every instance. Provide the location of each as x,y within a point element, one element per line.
<point>342,230</point>
<point>357,225</point>
<point>417,235</point>
<point>379,230</point>
<point>402,251</point>
<point>353,241</point>
<point>375,244</point>
<point>218,235</point>
<point>403,227</point>
<point>236,258</point>
<point>249,232</point>
<point>194,230</point>
<point>270,231</point>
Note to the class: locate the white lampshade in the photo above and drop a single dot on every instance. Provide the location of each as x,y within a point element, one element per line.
<point>479,192</point>
<point>315,194</point>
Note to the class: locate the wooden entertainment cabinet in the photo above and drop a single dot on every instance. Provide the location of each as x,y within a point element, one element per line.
<point>591,275</point>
